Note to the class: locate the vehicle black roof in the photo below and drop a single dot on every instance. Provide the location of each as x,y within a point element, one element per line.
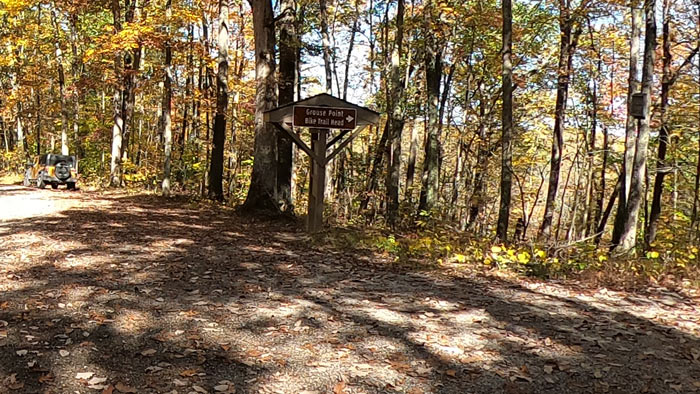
<point>51,158</point>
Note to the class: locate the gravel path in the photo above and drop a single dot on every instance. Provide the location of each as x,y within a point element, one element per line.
<point>109,293</point>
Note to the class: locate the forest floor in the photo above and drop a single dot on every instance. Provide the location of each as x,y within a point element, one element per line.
<point>116,293</point>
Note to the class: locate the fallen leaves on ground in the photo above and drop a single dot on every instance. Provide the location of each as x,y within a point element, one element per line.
<point>126,294</point>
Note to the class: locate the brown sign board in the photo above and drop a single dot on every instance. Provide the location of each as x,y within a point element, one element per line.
<point>325,117</point>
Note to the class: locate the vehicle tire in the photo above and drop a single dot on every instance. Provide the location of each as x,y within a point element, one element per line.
<point>71,185</point>
<point>40,181</point>
<point>54,186</point>
<point>62,170</point>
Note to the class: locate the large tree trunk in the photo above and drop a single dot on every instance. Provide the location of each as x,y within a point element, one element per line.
<point>628,237</point>
<point>287,70</point>
<point>631,128</point>
<point>566,52</point>
<point>216,169</point>
<point>262,195</point>
<point>167,104</point>
<point>396,120</point>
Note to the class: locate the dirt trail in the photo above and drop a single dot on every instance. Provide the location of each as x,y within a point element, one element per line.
<point>115,293</point>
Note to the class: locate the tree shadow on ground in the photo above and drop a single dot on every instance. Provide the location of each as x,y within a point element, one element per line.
<point>220,297</point>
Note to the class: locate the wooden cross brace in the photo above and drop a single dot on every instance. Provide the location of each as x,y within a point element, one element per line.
<point>319,159</point>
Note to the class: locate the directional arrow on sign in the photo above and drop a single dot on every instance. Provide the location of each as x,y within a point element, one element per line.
<point>349,118</point>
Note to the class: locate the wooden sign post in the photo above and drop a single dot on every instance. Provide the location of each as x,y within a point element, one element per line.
<point>321,114</point>
<point>317,181</point>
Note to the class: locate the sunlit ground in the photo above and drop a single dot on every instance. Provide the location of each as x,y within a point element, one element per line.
<point>141,294</point>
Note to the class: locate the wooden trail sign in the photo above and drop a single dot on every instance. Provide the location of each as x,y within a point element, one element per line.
<point>321,114</point>
<point>325,117</point>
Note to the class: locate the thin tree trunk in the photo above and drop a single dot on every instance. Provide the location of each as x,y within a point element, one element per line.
<point>664,132</point>
<point>571,232</point>
<point>376,164</point>
<point>563,198</point>
<point>604,219</point>
<point>396,120</point>
<point>38,122</point>
<point>326,45</point>
<point>433,77</point>
<point>189,81</point>
<point>566,51</point>
<point>589,207</point>
<point>342,160</point>
<point>75,69</point>
<point>411,165</point>
<point>695,219</point>
<point>606,150</point>
<point>506,123</point>
<point>216,169</point>
<point>351,45</point>
<point>167,104</point>
<point>61,84</point>
<point>478,198</point>
<point>662,168</point>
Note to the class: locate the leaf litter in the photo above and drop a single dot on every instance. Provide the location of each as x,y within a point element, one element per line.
<point>125,294</point>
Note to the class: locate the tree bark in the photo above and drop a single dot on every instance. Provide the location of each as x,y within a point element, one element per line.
<point>567,47</point>
<point>61,84</point>
<point>433,76</point>
<point>287,72</point>
<point>411,165</point>
<point>591,190</point>
<point>262,194</point>
<point>506,123</point>
<point>123,102</point>
<point>628,238</point>
<point>631,128</point>
<point>216,169</point>
<point>662,167</point>
<point>608,209</point>
<point>167,104</point>
<point>76,69</point>
<point>695,220</point>
<point>326,45</point>
<point>396,120</point>
<point>664,130</point>
<point>478,198</point>
<point>376,164</point>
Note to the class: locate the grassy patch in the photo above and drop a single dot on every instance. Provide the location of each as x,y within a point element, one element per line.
<point>666,264</point>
